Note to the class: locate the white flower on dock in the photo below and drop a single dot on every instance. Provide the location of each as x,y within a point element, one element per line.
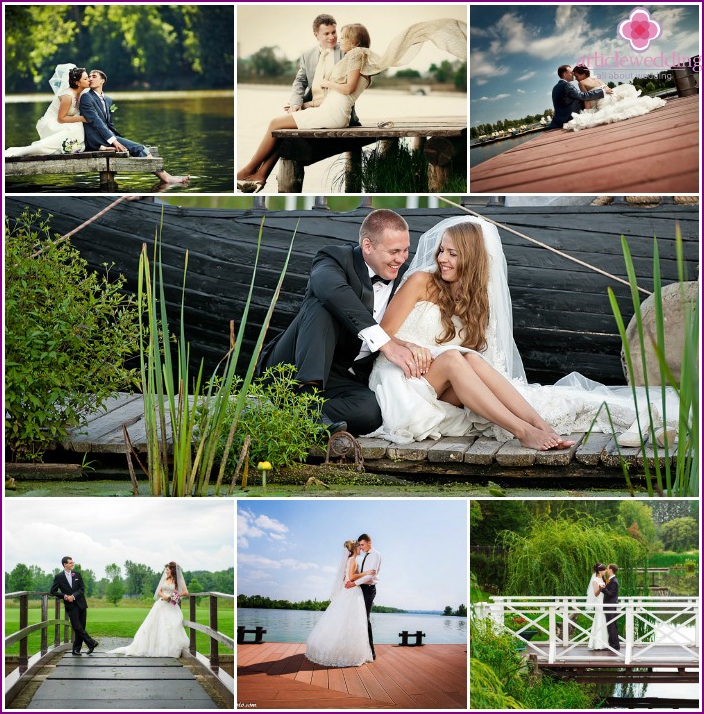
<point>72,146</point>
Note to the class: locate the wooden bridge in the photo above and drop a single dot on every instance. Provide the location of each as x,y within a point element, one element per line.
<point>660,640</point>
<point>656,153</point>
<point>97,681</point>
<point>443,139</point>
<point>277,675</point>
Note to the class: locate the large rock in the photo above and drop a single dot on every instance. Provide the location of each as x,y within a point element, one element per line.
<point>674,320</point>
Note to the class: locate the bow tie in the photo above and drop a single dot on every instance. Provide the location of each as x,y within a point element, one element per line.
<point>378,279</point>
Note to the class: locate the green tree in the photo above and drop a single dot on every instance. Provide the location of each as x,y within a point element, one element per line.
<point>195,586</point>
<point>137,574</point>
<point>638,513</point>
<point>408,74</point>
<point>461,611</point>
<point>447,610</point>
<point>20,578</point>
<point>88,580</point>
<point>268,62</point>
<point>680,534</point>
<point>498,516</point>
<point>116,588</point>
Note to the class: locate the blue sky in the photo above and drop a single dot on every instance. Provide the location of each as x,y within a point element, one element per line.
<point>515,50</point>
<point>291,549</point>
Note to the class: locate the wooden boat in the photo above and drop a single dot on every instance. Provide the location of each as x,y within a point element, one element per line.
<point>562,317</point>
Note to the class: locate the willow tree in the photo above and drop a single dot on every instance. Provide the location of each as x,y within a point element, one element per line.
<point>557,556</point>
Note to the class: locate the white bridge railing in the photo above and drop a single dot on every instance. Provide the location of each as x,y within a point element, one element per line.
<point>656,629</point>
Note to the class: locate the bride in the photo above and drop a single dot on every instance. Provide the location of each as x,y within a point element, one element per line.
<point>348,79</point>
<point>453,311</point>
<point>624,103</point>
<point>61,128</point>
<point>340,637</point>
<point>162,634</point>
<point>598,635</point>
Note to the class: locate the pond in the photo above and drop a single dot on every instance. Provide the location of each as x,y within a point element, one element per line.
<point>194,132</point>
<point>479,154</point>
<point>295,625</point>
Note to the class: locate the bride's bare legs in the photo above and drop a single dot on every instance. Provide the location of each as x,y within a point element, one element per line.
<point>256,168</point>
<point>509,396</point>
<point>451,370</point>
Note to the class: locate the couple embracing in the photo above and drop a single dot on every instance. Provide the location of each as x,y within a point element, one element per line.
<point>602,596</point>
<point>427,350</point>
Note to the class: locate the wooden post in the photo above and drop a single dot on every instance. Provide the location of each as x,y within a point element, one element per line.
<point>192,618</point>
<point>24,621</point>
<point>353,170</point>
<point>630,632</point>
<point>107,179</point>
<point>214,658</point>
<point>439,151</point>
<point>57,628</point>
<point>45,616</point>
<point>290,176</point>
<point>552,630</point>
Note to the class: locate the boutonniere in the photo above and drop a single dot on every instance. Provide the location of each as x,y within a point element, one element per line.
<point>113,108</point>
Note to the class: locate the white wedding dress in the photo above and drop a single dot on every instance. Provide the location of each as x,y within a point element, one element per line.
<point>52,133</point>
<point>340,637</point>
<point>598,635</point>
<point>161,634</point>
<point>624,103</point>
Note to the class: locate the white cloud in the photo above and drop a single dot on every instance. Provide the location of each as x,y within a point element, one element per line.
<point>271,524</point>
<point>482,67</point>
<point>521,91</point>
<point>250,526</point>
<point>258,560</point>
<point>526,76</point>
<point>491,99</point>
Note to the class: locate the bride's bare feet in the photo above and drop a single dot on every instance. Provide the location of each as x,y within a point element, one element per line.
<point>166,177</point>
<point>534,438</point>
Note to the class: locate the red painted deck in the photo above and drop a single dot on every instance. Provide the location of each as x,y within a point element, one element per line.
<point>276,675</point>
<point>657,153</point>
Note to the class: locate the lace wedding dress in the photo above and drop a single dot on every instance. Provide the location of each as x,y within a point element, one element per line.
<point>598,635</point>
<point>340,637</point>
<point>336,108</point>
<point>624,103</point>
<point>161,634</point>
<point>53,133</point>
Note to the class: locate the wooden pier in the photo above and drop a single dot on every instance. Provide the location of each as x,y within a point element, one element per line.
<point>655,153</point>
<point>278,676</point>
<point>106,163</point>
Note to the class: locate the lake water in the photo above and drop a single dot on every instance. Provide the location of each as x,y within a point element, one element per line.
<point>258,104</point>
<point>194,132</point>
<point>480,154</point>
<point>295,625</point>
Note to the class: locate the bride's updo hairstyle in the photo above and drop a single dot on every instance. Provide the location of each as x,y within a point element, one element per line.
<point>582,70</point>
<point>472,302</point>
<point>74,76</point>
<point>357,34</point>
<point>171,568</point>
<point>599,568</point>
<point>351,546</point>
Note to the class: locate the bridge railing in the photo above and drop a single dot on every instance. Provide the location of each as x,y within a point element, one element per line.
<point>212,661</point>
<point>59,620</point>
<point>670,625</point>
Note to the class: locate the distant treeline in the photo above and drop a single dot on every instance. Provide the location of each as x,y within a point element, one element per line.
<point>269,604</point>
<point>137,46</point>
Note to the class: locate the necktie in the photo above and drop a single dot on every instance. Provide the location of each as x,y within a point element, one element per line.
<point>321,72</point>
<point>378,279</point>
<point>361,570</point>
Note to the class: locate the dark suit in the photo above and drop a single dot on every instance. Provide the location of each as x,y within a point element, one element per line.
<point>99,127</point>
<point>610,591</point>
<point>568,100</point>
<point>77,610</point>
<point>322,340</point>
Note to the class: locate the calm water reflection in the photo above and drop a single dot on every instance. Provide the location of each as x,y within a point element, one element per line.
<point>295,625</point>
<point>194,133</point>
<point>480,154</point>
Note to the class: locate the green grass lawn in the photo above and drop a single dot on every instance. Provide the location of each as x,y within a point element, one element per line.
<point>667,559</point>
<point>118,622</point>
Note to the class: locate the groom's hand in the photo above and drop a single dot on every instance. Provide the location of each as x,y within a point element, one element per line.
<point>349,584</point>
<point>402,357</point>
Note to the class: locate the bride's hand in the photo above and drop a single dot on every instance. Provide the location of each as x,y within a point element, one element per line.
<point>422,356</point>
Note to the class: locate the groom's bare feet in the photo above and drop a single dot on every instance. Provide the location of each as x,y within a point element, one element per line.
<point>166,177</point>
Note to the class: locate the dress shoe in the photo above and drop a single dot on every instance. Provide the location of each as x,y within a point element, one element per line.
<point>76,652</point>
<point>333,427</point>
<point>92,647</point>
<point>355,122</point>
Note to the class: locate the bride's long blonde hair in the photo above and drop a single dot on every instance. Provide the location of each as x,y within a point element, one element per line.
<point>471,303</point>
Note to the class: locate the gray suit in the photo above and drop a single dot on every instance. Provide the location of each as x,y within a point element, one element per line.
<point>568,100</point>
<point>302,85</point>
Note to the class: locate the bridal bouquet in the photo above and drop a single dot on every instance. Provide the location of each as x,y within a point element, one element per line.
<point>72,146</point>
<point>175,599</point>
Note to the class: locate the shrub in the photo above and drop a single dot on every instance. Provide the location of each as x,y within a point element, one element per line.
<point>68,333</point>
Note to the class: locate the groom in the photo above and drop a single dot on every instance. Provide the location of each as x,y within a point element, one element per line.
<point>100,132</point>
<point>368,559</point>
<point>68,586</point>
<point>610,591</point>
<point>315,65</point>
<point>336,335</point>
<point>568,100</point>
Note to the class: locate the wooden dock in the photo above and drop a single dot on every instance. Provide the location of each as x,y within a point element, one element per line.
<point>278,676</point>
<point>655,153</point>
<point>103,681</point>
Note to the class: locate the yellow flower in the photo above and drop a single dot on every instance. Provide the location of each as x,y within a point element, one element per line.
<point>264,466</point>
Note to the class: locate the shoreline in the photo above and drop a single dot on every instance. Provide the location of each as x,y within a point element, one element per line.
<point>129,94</point>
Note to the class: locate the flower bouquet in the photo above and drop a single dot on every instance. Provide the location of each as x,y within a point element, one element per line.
<point>72,146</point>
<point>175,599</point>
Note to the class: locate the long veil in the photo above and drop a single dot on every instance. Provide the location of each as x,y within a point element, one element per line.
<point>180,582</point>
<point>592,599</point>
<point>59,81</point>
<point>500,310</point>
<point>340,574</point>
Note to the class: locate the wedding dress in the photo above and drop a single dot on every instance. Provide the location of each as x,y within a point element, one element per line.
<point>624,103</point>
<point>411,410</point>
<point>161,634</point>
<point>598,635</point>
<point>53,133</point>
<point>340,637</point>
<point>336,108</point>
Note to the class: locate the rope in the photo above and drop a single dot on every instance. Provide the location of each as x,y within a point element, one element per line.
<point>543,245</point>
<point>84,224</point>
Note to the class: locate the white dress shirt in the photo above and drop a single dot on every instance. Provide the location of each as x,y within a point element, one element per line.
<point>372,562</point>
<point>374,337</point>
<point>67,573</point>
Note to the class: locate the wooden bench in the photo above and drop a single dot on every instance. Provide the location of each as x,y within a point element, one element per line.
<point>106,163</point>
<point>443,140</point>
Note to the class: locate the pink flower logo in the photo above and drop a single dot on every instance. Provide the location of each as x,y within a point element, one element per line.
<point>640,30</point>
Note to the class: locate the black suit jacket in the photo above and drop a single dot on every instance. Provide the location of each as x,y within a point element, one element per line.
<point>611,592</point>
<point>567,99</point>
<point>60,587</point>
<point>99,127</point>
<point>340,282</point>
